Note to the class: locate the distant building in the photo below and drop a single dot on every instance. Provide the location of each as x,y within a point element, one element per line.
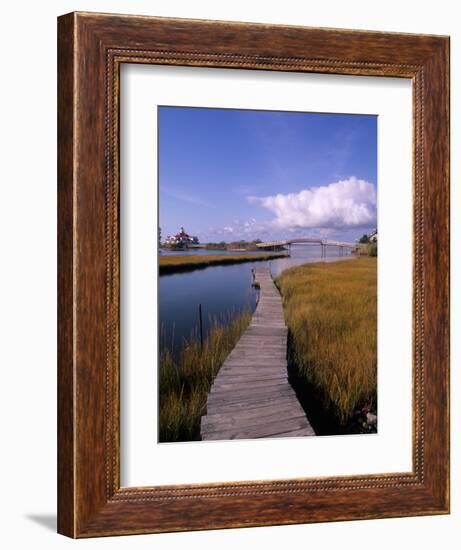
<point>181,239</point>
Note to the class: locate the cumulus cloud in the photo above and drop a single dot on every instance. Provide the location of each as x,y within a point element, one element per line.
<point>345,203</point>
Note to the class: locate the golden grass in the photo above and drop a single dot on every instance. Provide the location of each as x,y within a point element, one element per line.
<point>331,312</point>
<point>184,384</point>
<point>186,262</point>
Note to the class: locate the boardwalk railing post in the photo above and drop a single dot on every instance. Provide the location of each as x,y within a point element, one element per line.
<point>200,325</point>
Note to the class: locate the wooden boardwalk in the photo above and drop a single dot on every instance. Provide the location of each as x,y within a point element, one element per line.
<point>251,396</point>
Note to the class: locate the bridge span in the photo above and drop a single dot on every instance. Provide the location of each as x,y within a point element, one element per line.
<point>324,243</point>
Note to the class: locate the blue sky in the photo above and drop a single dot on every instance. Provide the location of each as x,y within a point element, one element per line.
<point>228,174</point>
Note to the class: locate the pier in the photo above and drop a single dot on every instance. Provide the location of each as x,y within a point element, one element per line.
<point>251,396</point>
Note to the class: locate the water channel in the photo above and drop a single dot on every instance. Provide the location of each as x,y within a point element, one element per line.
<point>223,292</point>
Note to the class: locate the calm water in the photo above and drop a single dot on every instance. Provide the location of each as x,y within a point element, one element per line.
<point>223,292</point>
<point>203,251</point>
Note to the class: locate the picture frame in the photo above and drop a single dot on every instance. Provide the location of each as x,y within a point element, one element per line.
<point>91,49</point>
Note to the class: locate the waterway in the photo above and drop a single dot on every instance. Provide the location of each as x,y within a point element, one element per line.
<point>223,292</point>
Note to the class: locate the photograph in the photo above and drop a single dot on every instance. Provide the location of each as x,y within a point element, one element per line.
<point>267,274</point>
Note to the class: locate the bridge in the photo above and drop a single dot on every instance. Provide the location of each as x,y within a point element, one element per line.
<point>251,396</point>
<point>324,243</point>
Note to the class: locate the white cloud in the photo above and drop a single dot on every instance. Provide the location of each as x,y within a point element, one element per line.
<point>248,230</point>
<point>346,203</point>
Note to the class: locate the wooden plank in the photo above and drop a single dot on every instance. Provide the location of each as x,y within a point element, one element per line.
<point>249,418</point>
<point>249,372</point>
<point>266,430</point>
<point>243,364</point>
<point>256,365</point>
<point>249,394</point>
<point>264,343</point>
<point>294,433</point>
<point>270,426</point>
<point>249,400</point>
<point>247,363</point>
<point>246,376</point>
<point>260,343</point>
<point>221,408</point>
<point>230,378</point>
<point>260,355</point>
<point>237,389</point>
<point>282,408</point>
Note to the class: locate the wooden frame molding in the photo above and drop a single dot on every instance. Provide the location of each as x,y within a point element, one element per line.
<point>91,48</point>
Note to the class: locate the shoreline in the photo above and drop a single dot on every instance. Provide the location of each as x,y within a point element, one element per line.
<point>181,263</point>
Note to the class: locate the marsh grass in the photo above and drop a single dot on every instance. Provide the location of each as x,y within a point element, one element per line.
<point>184,383</point>
<point>187,262</point>
<point>331,312</point>
<point>367,249</point>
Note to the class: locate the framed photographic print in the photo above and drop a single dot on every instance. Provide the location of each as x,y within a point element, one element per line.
<point>253,275</point>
